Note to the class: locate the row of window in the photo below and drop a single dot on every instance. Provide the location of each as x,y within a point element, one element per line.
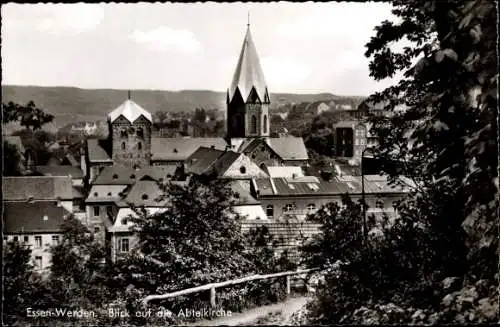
<point>253,125</point>
<point>139,132</point>
<point>38,240</point>
<point>97,211</point>
<point>287,208</point>
<point>139,146</point>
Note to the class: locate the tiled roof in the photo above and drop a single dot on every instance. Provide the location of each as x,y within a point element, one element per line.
<point>14,140</point>
<point>248,73</point>
<point>242,193</point>
<point>347,124</point>
<point>97,150</point>
<point>157,172</point>
<point>74,172</point>
<point>283,187</point>
<point>37,188</point>
<point>24,217</point>
<point>284,171</point>
<point>131,111</point>
<point>202,159</point>
<point>145,193</point>
<point>117,175</point>
<point>225,161</point>
<point>179,149</point>
<point>374,184</point>
<point>289,148</point>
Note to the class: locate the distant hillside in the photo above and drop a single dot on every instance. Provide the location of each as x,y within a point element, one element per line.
<point>71,104</point>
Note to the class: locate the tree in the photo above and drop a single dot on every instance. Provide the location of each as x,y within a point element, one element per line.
<point>28,115</point>
<point>18,285</point>
<point>12,164</point>
<point>200,115</point>
<point>196,239</point>
<point>447,136</point>
<point>446,140</point>
<point>78,265</point>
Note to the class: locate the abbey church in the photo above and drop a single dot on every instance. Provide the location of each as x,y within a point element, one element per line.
<point>130,141</point>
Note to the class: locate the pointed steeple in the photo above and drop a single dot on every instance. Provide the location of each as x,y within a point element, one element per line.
<point>248,74</point>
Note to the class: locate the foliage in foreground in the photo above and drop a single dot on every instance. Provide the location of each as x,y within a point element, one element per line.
<point>447,141</point>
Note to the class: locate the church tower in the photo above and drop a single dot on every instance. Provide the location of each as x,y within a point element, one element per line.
<point>247,97</point>
<point>130,134</point>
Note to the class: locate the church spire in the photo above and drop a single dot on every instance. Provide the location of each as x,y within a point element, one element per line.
<point>248,74</point>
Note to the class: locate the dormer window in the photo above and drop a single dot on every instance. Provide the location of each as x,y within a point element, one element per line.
<point>243,169</point>
<point>175,151</point>
<point>115,176</point>
<point>145,196</point>
<point>96,194</point>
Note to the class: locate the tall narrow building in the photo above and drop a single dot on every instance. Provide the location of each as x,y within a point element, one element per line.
<point>248,97</point>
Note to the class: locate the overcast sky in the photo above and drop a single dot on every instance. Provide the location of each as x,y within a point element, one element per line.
<point>303,47</point>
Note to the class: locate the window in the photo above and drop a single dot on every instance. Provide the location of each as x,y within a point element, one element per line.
<point>96,211</point>
<point>264,128</point>
<point>311,207</point>
<point>15,239</point>
<point>253,125</point>
<point>124,245</point>
<point>140,132</point>
<point>96,229</point>
<point>356,142</point>
<point>288,207</point>
<point>124,221</point>
<point>96,194</point>
<point>270,211</point>
<point>115,176</point>
<point>362,141</point>
<point>243,170</point>
<point>139,146</point>
<point>379,204</point>
<point>55,239</point>
<point>145,197</point>
<point>38,262</point>
<point>109,210</point>
<point>132,176</point>
<point>26,239</point>
<point>123,145</point>
<point>123,134</point>
<point>109,193</point>
<point>38,242</point>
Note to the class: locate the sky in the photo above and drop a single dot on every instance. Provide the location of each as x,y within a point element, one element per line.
<point>303,47</point>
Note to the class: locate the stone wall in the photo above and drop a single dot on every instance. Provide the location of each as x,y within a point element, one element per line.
<point>290,235</point>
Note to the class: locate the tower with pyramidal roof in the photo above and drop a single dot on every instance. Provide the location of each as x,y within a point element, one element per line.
<point>248,97</point>
<point>130,134</point>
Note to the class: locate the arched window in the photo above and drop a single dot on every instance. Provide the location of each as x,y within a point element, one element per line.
<point>123,145</point>
<point>270,211</point>
<point>139,146</point>
<point>253,126</point>
<point>264,128</point>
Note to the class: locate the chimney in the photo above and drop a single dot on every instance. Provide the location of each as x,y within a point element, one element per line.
<point>83,163</point>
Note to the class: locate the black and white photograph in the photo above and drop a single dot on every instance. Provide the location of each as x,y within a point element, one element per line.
<point>250,163</point>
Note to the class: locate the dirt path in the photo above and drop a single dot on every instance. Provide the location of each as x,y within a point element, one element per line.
<point>287,308</point>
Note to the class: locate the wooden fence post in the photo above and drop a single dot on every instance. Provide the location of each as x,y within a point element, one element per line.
<point>288,285</point>
<point>212,297</point>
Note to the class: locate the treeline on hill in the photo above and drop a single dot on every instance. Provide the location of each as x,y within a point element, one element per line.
<point>196,240</point>
<point>438,262</point>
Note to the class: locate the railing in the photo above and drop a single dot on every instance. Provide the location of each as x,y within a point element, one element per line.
<point>213,286</point>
